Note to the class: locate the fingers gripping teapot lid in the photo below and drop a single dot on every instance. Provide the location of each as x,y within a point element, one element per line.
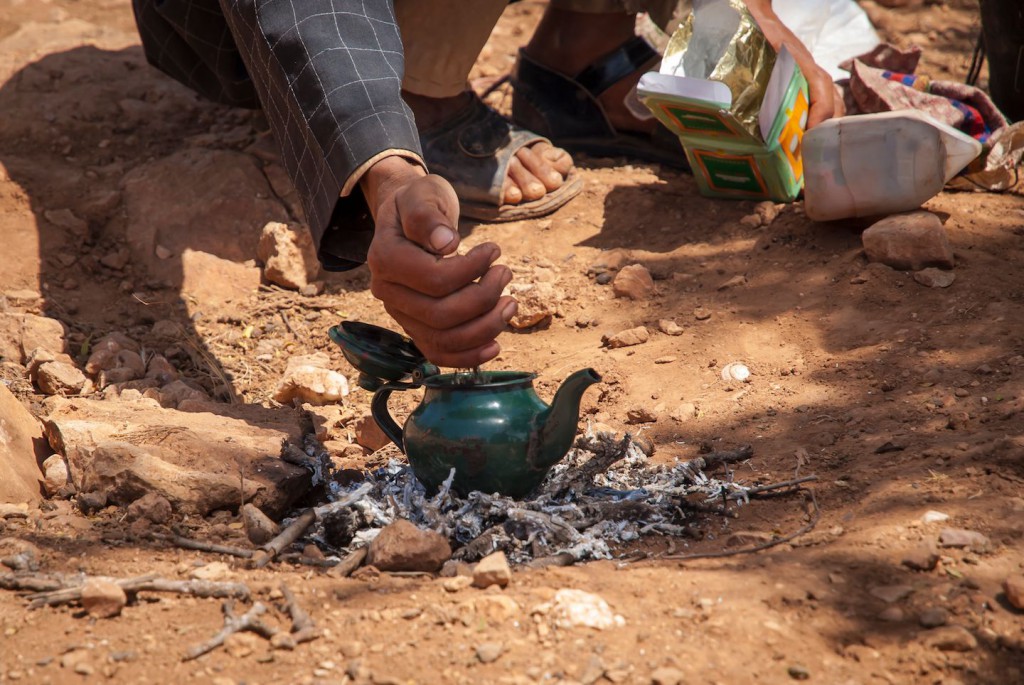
<point>381,356</point>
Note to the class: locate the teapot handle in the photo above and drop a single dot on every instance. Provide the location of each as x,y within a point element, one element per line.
<point>380,413</point>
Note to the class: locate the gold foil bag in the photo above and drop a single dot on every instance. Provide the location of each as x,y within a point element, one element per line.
<point>721,41</point>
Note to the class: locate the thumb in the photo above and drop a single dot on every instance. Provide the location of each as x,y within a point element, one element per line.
<point>428,210</point>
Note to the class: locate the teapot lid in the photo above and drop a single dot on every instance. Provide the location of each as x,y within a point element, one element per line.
<point>381,356</point>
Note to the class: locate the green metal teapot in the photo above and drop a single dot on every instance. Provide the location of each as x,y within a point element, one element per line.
<point>490,426</point>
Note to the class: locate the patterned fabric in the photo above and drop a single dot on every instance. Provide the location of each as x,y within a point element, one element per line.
<point>883,80</point>
<point>328,75</point>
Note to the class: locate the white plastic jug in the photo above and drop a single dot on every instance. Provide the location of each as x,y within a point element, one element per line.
<point>880,163</point>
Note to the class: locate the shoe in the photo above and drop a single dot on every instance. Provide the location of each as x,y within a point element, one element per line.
<point>472,151</point>
<point>567,110</point>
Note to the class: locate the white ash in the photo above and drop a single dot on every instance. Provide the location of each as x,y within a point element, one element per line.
<point>624,502</point>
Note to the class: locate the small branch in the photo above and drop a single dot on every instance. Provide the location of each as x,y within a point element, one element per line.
<point>715,458</point>
<point>755,548</point>
<point>760,489</point>
<point>213,548</point>
<point>33,583</point>
<point>300,619</point>
<point>147,583</point>
<point>349,564</point>
<point>233,624</point>
<point>289,535</point>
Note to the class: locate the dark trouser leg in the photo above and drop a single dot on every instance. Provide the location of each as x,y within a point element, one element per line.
<point>1003,25</point>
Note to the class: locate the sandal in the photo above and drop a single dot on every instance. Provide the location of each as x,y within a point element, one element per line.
<point>472,151</point>
<point>567,110</point>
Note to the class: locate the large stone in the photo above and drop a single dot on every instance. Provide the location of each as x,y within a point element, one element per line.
<point>970,539</point>
<point>369,434</point>
<point>633,282</point>
<point>1014,589</point>
<point>212,281</point>
<point>221,201</point>
<point>628,338</point>
<point>20,334</point>
<point>288,255</point>
<point>402,546</point>
<point>492,570</point>
<point>60,378</point>
<point>915,241</point>
<point>103,598</point>
<point>198,461</point>
<point>21,441</point>
<point>307,378</point>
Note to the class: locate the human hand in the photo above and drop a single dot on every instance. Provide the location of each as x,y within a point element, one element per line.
<point>825,99</point>
<point>449,304</point>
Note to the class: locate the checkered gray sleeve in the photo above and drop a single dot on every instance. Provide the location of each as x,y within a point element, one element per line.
<point>328,75</point>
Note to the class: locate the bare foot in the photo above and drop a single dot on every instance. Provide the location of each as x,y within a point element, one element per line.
<point>536,169</point>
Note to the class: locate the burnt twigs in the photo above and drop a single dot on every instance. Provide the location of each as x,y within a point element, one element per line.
<point>287,536</point>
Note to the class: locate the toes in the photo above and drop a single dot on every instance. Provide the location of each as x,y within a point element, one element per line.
<point>558,158</point>
<point>511,195</point>
<point>531,188</point>
<point>542,170</point>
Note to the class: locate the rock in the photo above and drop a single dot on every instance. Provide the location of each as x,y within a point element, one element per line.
<point>152,507</point>
<point>684,412</point>
<point>103,355</point>
<point>116,260</point>
<point>457,583</point>
<point>288,255</point>
<point>578,609</point>
<point>175,393</point>
<point>701,314</point>
<point>21,435</point>
<point>368,433</point>
<point>751,221</point>
<point>891,614</point>
<point>213,571</point>
<point>1014,589</point>
<point>41,331</point>
<point>103,598</point>
<point>733,282</point>
<point>951,639</point>
<point>67,220</point>
<point>161,370</point>
<point>216,282</point>
<point>932,516</point>
<point>55,474</point>
<point>922,558</point>
<point>628,338</point>
<point>488,652</point>
<point>669,327</point>
<point>537,303</point>
<point>798,672</point>
<point>308,379</point>
<point>243,644</point>
<point>492,570</point>
<point>401,546</point>
<point>933,617</point>
<point>768,211</point>
<point>970,539</point>
<point>313,288</point>
<point>60,378</point>
<point>935,278</point>
<point>633,282</point>
<point>891,593</point>
<point>131,449</point>
<point>667,359</point>
<point>666,675</point>
<point>259,527</point>
<point>639,414</point>
<point>221,200</point>
<point>914,241</point>
<point>91,502</point>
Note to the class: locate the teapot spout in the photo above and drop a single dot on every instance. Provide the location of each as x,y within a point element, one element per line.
<point>555,428</point>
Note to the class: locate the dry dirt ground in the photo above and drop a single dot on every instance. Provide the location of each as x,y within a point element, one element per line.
<point>845,358</point>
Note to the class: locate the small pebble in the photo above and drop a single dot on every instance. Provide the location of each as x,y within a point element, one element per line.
<point>798,672</point>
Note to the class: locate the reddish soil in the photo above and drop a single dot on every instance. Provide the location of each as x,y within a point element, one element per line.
<point>845,358</point>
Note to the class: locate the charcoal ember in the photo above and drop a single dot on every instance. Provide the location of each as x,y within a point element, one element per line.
<point>340,528</point>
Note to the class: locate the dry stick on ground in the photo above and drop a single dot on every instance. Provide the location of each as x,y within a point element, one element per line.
<point>285,538</point>
<point>188,543</point>
<point>715,458</point>
<point>33,583</point>
<point>303,626</point>
<point>756,548</point>
<point>350,563</point>
<point>234,624</point>
<point>147,583</point>
<point>761,489</point>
